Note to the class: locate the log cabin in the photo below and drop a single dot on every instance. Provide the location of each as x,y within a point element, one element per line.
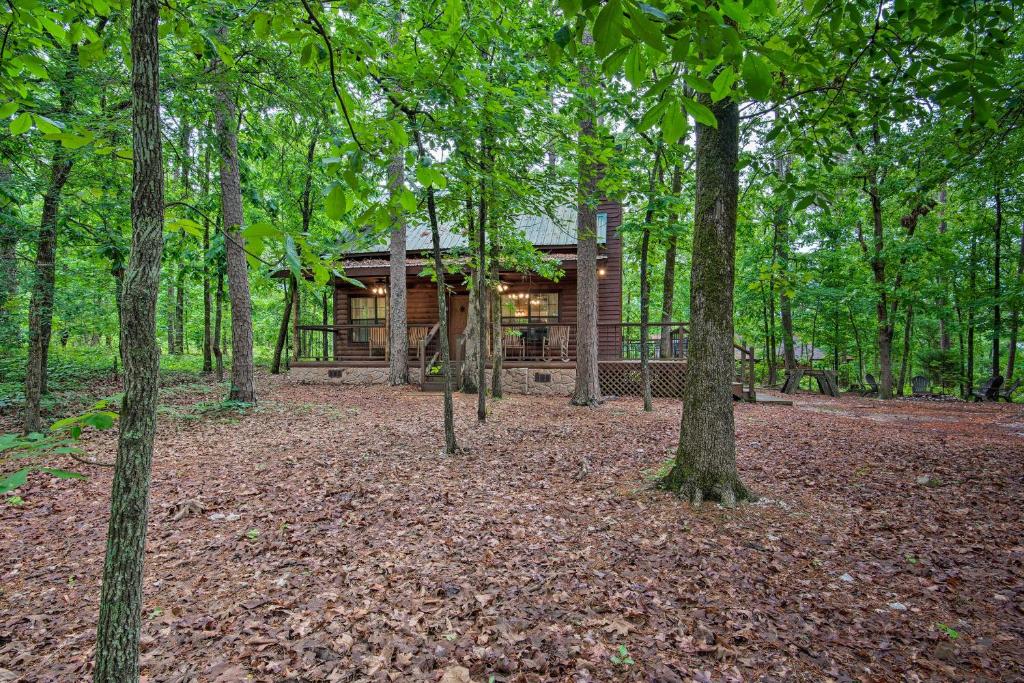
<point>538,317</point>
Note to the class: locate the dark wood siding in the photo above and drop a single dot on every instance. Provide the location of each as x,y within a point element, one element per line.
<point>609,286</point>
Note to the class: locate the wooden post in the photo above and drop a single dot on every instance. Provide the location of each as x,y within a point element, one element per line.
<point>752,396</point>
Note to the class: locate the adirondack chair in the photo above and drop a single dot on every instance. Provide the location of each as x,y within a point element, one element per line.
<point>872,387</point>
<point>1007,393</point>
<point>989,391</point>
<point>556,343</point>
<point>512,342</point>
<point>417,333</point>
<point>378,340</point>
<point>919,384</point>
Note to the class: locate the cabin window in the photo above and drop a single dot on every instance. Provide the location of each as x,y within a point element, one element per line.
<point>526,307</point>
<point>366,310</point>
<point>602,228</point>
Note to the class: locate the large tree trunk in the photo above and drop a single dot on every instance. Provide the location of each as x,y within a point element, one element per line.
<point>243,383</point>
<point>588,389</point>
<point>290,294</point>
<point>705,465</point>
<point>668,283</point>
<point>40,316</point>
<point>9,333</point>
<point>997,289</point>
<point>207,298</point>
<point>120,619</point>
<point>1011,354</point>
<point>398,317</point>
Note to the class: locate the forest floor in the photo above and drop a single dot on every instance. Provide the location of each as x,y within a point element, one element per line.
<point>322,536</point>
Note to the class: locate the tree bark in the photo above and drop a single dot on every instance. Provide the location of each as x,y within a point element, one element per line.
<point>179,313</point>
<point>645,284</point>
<point>972,289</point>
<point>207,298</point>
<point>668,284</point>
<point>481,299</point>
<point>290,294</point>
<point>120,619</point>
<point>905,358</point>
<point>497,352</point>
<point>398,317</point>
<point>243,384</point>
<point>474,325</point>
<point>997,289</point>
<point>1011,353</point>
<point>945,342</point>
<point>705,465</point>
<point>9,332</point>
<point>588,389</point>
<point>218,351</point>
<point>40,317</point>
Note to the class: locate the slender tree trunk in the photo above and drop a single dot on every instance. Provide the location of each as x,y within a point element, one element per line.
<point>40,315</point>
<point>945,343</point>
<point>497,351</point>
<point>295,305</point>
<point>474,325</point>
<point>668,285</point>
<point>781,240</point>
<point>1011,353</point>
<point>481,298</point>
<point>705,465</point>
<point>169,310</point>
<point>325,320</point>
<point>450,445</point>
<point>290,294</point>
<point>398,318</point>
<point>588,389</point>
<point>972,289</point>
<point>243,384</point>
<point>207,298</point>
<point>179,313</point>
<point>645,284</point>
<point>905,359</point>
<point>997,289</point>
<point>218,351</point>
<point>120,620</point>
<point>9,332</point>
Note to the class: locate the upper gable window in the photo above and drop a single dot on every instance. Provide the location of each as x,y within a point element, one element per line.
<point>602,228</point>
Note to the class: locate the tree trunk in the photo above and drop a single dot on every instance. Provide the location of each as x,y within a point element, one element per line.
<point>290,294</point>
<point>325,320</point>
<point>40,315</point>
<point>972,289</point>
<point>179,313</point>
<point>668,284</point>
<point>295,305</point>
<point>169,310</point>
<point>497,351</point>
<point>481,298</point>
<point>243,386</point>
<point>398,317</point>
<point>997,289</point>
<point>218,352</point>
<point>588,389</point>
<point>705,465</point>
<point>9,332</point>
<point>1011,353</point>
<point>905,359</point>
<point>120,619</point>
<point>207,298</point>
<point>470,360</point>
<point>945,343</point>
<point>645,284</point>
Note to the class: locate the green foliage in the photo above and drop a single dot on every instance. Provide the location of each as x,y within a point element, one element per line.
<point>941,367</point>
<point>622,657</point>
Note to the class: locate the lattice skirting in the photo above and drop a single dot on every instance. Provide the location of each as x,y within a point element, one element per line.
<point>622,378</point>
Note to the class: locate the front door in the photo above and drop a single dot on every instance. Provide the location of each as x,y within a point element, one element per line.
<point>458,315</point>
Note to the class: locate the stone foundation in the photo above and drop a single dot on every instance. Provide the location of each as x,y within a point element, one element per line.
<point>542,381</point>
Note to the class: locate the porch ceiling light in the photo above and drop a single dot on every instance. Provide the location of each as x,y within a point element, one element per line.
<point>602,272</point>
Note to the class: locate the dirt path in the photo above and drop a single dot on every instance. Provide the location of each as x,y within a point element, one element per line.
<point>322,537</point>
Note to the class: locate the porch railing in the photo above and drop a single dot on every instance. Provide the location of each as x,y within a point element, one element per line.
<point>621,341</point>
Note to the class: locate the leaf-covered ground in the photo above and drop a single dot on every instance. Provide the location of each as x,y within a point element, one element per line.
<point>323,537</point>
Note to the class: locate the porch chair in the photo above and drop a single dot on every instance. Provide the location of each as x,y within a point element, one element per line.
<point>919,385</point>
<point>378,340</point>
<point>557,338</point>
<point>872,386</point>
<point>417,333</point>
<point>989,390</point>
<point>1007,393</point>
<point>512,341</point>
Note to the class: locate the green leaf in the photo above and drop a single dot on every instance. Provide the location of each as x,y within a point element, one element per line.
<point>46,125</point>
<point>757,76</point>
<point>721,87</point>
<point>261,230</point>
<point>261,25</point>
<point>55,30</point>
<point>653,115</point>
<point>8,109</point>
<point>101,420</point>
<point>90,53</point>
<point>608,28</point>
<point>21,123</point>
<point>674,124</point>
<point>34,65</point>
<point>635,66</point>
<point>291,256</point>
<point>13,481</point>
<point>563,36</point>
<point>647,30</point>
<point>699,112</point>
<point>336,203</point>
<point>407,200</point>
<point>61,474</point>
